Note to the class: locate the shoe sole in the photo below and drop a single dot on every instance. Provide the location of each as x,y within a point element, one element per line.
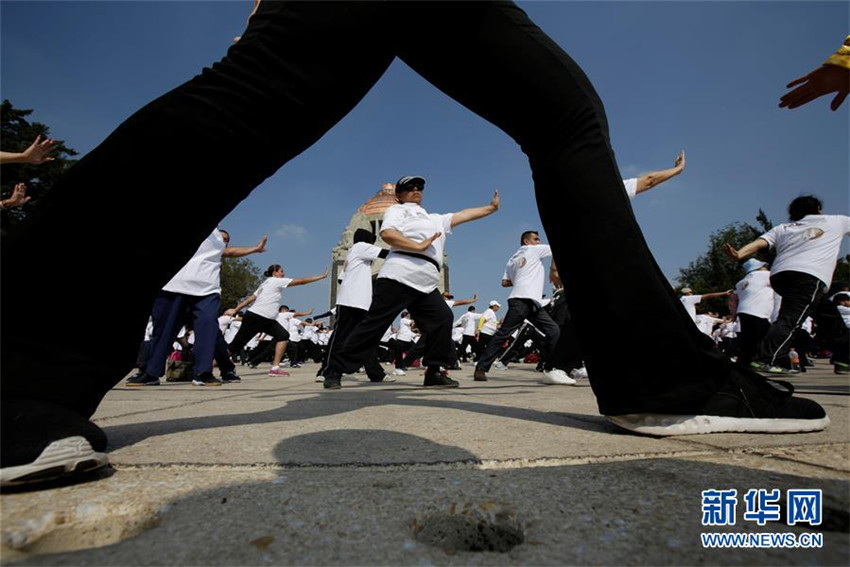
<point>207,384</point>
<point>568,382</point>
<point>664,425</point>
<point>443,386</point>
<point>135,385</point>
<point>63,457</point>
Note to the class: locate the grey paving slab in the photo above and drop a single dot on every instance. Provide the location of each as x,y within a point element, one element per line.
<point>277,470</point>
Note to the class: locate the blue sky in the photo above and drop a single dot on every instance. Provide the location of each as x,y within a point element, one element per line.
<point>700,76</point>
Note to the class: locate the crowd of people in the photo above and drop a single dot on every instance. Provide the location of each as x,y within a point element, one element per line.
<point>279,89</point>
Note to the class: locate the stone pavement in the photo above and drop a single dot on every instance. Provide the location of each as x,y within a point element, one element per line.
<point>279,471</point>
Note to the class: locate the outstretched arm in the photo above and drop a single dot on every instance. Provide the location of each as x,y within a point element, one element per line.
<point>239,251</point>
<point>472,299</point>
<point>716,294</point>
<point>302,281</point>
<point>38,152</point>
<point>476,213</point>
<point>745,251</point>
<point>245,303</point>
<point>302,313</point>
<point>649,180</point>
<point>831,77</point>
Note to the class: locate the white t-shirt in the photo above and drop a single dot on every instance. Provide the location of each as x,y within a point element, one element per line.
<point>469,322</point>
<point>308,333</point>
<point>269,295</point>
<point>755,296</point>
<point>294,330</point>
<point>690,303</point>
<point>809,245</point>
<point>845,314</point>
<point>388,334</point>
<point>202,273</point>
<point>705,323</point>
<point>405,333</point>
<point>525,270</point>
<point>490,323</point>
<point>223,322</point>
<point>457,334</point>
<point>232,329</point>
<point>356,287</point>
<point>631,187</point>
<point>415,223</point>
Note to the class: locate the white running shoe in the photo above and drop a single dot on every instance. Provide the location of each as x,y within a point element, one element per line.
<point>578,373</point>
<point>398,372</point>
<point>557,377</point>
<point>498,365</point>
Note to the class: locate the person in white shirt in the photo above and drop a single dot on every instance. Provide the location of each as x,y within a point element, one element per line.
<point>196,288</point>
<point>842,302</point>
<point>525,273</point>
<point>488,324</point>
<point>262,315</point>
<point>408,280</point>
<point>468,324</point>
<point>752,302</point>
<point>690,301</point>
<point>355,297</point>
<point>807,251</point>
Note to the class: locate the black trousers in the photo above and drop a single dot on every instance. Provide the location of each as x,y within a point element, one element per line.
<point>253,324</point>
<point>753,331</point>
<point>298,70</point>
<point>567,353</point>
<point>347,319</point>
<point>802,296</point>
<point>389,297</point>
<point>518,311</point>
<point>467,341</point>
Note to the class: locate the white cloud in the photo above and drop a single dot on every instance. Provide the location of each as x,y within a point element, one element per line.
<point>292,232</point>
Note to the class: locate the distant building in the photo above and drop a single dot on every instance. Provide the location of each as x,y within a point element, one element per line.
<point>369,216</point>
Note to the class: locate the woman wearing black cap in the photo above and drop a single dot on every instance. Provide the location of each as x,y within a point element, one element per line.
<point>408,280</point>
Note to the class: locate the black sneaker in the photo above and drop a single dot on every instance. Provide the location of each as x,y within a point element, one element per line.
<point>230,376</point>
<point>43,441</point>
<point>385,379</point>
<point>206,379</point>
<point>332,383</point>
<point>439,379</point>
<point>480,375</point>
<point>747,403</point>
<point>141,378</point>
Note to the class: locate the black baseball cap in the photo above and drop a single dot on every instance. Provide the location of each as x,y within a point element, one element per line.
<point>407,181</point>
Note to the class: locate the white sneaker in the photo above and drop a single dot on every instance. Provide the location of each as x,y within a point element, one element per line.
<point>557,377</point>
<point>578,373</point>
<point>499,366</point>
<point>398,372</point>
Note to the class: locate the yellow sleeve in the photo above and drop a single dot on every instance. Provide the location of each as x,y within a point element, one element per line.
<point>841,58</point>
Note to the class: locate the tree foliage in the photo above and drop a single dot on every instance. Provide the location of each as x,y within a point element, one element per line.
<point>715,271</point>
<point>240,277</point>
<point>17,133</point>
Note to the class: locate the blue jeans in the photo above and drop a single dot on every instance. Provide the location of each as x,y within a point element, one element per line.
<point>299,69</point>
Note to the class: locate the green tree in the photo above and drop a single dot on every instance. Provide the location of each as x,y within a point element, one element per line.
<point>240,277</point>
<point>17,133</point>
<point>714,271</point>
<point>841,276</point>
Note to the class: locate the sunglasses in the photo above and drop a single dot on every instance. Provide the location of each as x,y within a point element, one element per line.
<point>407,188</point>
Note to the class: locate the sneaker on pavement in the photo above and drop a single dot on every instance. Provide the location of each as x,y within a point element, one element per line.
<point>773,370</point>
<point>42,442</point>
<point>142,379</point>
<point>480,375</point>
<point>579,373</point>
<point>841,368</point>
<point>499,365</point>
<point>556,376</point>
<point>748,403</point>
<point>230,376</point>
<point>439,379</point>
<point>278,372</point>
<point>332,383</point>
<point>385,379</point>
<point>399,372</point>
<point>206,379</point>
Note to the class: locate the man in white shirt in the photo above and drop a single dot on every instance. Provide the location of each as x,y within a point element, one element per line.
<point>488,324</point>
<point>196,288</point>
<point>690,301</point>
<point>468,323</point>
<point>807,251</point>
<point>525,273</point>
